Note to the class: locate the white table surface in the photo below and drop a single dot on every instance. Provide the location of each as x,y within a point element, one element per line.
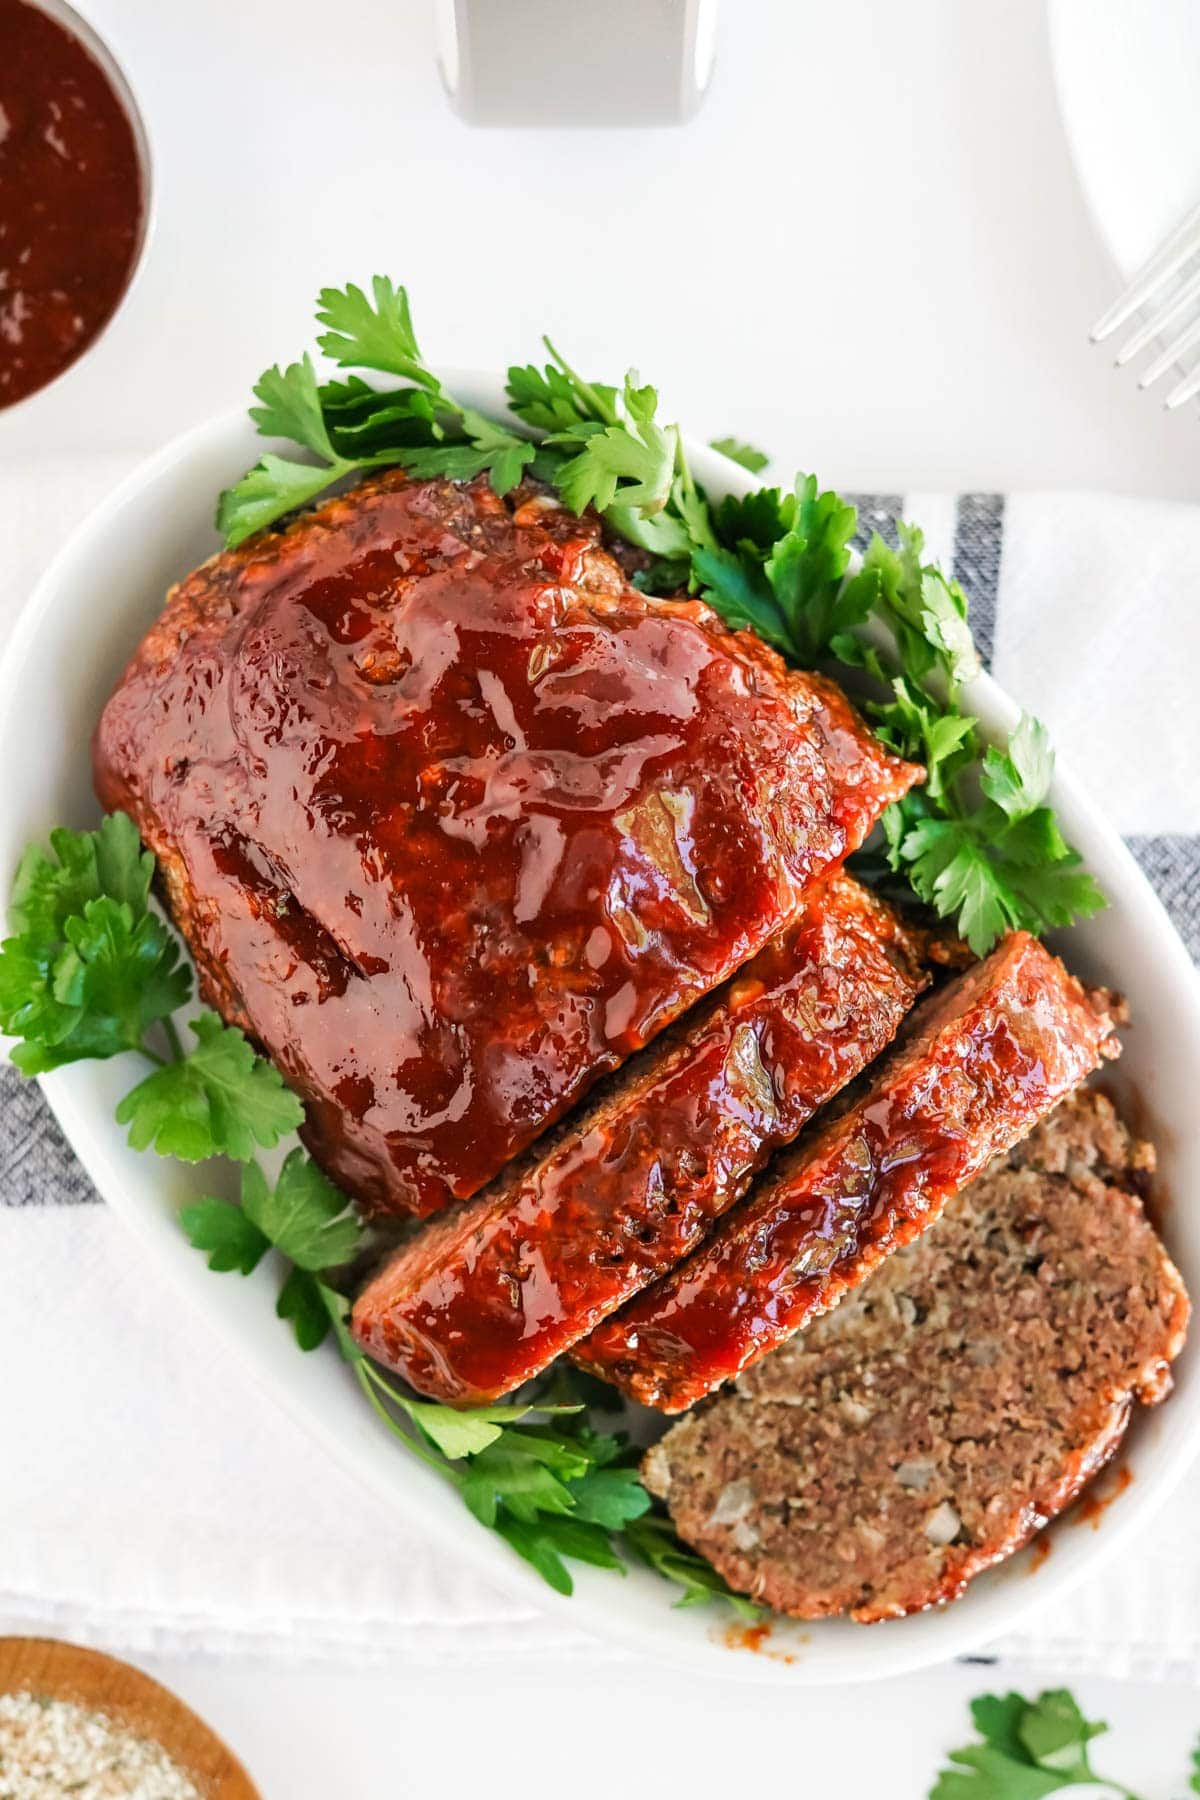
<point>868,253</point>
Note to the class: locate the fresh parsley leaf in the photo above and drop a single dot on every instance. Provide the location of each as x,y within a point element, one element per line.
<point>306,1218</point>
<point>1055,895</point>
<point>955,876</point>
<point>338,1308</point>
<point>524,1474</point>
<point>737,588</point>
<point>273,487</point>
<point>635,459</point>
<point>926,613</point>
<point>488,447</point>
<point>302,1302</point>
<point>231,1239</point>
<point>124,870</point>
<point>806,567</point>
<point>554,400</point>
<point>82,865</point>
<point>110,983</point>
<point>754,522</point>
<point>290,407</point>
<point>1194,1781</point>
<point>28,1009</point>
<point>534,1544</point>
<point>914,725</point>
<point>90,969</point>
<point>997,865</point>
<point>373,334</point>
<point>610,1497</point>
<point>219,1100</point>
<point>463,1433</point>
<point>349,425</point>
<point>365,424</point>
<point>531,1471</point>
<point>744,454</point>
<point>378,334</point>
<point>574,1537</point>
<point>1029,1748</point>
<point>653,1541</point>
<point>662,534</point>
<point>1056,1734</point>
<point>1018,779</point>
<point>780,569</point>
<point>557,400</point>
<point>545,1484</point>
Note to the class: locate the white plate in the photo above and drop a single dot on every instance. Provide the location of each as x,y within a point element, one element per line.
<point>1128,79</point>
<point>68,650</point>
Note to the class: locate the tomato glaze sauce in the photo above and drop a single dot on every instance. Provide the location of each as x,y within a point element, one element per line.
<point>466,819</point>
<point>70,200</point>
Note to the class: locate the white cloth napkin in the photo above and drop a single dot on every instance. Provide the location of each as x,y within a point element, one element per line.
<point>151,1498</point>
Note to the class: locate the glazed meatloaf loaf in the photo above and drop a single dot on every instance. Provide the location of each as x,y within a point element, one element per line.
<point>492,1291</point>
<point>982,1062</point>
<point>940,1415</point>
<point>454,819</point>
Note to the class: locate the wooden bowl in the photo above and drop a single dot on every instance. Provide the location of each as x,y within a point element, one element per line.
<point>129,1698</point>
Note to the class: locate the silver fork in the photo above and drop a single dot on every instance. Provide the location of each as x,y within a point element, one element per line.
<point>1166,291</point>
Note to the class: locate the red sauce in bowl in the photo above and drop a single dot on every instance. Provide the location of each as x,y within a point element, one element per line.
<point>70,199</point>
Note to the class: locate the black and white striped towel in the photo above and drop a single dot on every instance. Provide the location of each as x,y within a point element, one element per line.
<point>151,1497</point>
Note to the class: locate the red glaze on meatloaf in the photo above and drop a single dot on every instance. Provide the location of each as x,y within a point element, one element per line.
<point>988,1057</point>
<point>454,819</point>
<point>491,1292</point>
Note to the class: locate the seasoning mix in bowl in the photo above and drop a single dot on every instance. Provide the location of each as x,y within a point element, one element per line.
<point>75,1721</point>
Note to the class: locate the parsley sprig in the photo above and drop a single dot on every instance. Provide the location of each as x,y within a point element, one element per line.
<point>349,427</point>
<point>1029,1748</point>
<point>92,972</point>
<point>654,1541</point>
<point>534,1471</point>
<point>978,843</point>
<point>754,461</point>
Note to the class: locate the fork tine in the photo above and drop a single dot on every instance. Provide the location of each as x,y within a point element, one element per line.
<point>1170,356</point>
<point>1188,388</point>
<point>1178,249</point>
<point>1157,322</point>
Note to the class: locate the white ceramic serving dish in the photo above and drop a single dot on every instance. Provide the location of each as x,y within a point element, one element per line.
<point>70,645</point>
<point>1126,75</point>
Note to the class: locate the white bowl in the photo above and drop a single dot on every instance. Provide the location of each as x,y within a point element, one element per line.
<point>70,645</point>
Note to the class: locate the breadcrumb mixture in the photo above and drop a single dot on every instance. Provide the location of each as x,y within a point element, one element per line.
<point>50,1748</point>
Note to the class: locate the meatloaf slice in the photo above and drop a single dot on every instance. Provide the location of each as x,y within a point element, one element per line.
<point>454,819</point>
<point>491,1292</point>
<point>941,1414</point>
<point>985,1060</point>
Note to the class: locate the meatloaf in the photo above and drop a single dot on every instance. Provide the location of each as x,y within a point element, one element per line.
<point>985,1060</point>
<point>454,819</point>
<point>934,1420</point>
<point>489,1293</point>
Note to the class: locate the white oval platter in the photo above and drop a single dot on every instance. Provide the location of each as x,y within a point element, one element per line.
<point>74,637</point>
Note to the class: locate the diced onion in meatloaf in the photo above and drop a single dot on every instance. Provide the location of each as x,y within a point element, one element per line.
<point>928,1425</point>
